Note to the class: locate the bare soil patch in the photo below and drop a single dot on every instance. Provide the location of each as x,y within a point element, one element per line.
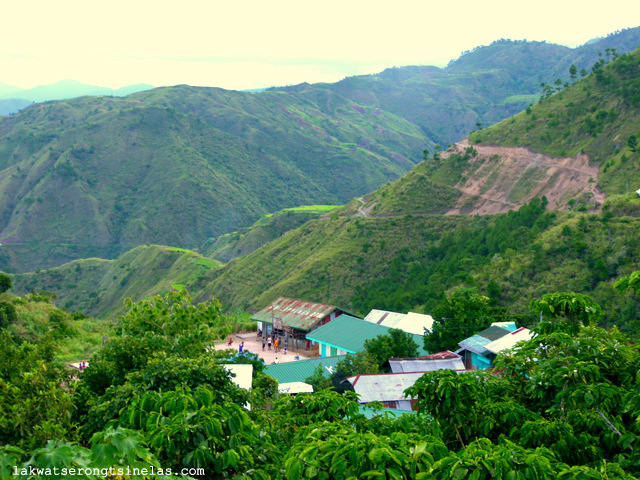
<point>504,178</point>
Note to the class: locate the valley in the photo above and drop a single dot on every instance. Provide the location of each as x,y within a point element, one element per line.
<point>403,241</point>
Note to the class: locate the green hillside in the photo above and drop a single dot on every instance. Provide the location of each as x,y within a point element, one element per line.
<point>98,176</point>
<point>597,116</point>
<point>180,165</point>
<point>397,253</point>
<point>268,228</point>
<point>483,86</point>
<point>98,287</point>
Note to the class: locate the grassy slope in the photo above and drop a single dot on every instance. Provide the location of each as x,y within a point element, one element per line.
<point>270,227</point>
<point>76,337</point>
<point>325,260</point>
<point>98,287</point>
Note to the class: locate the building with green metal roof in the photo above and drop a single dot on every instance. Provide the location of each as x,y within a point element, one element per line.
<point>347,334</point>
<point>300,370</point>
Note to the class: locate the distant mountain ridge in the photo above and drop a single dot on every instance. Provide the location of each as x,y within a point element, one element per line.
<point>12,98</point>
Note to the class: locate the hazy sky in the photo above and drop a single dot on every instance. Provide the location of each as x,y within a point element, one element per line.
<point>241,44</point>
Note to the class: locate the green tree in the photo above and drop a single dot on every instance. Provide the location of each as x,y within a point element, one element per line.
<point>457,317</point>
<point>573,72</point>
<point>36,402</point>
<point>632,143</point>
<point>5,282</point>
<point>359,363</point>
<point>395,344</point>
<point>165,324</point>
<point>566,311</point>
<point>318,380</point>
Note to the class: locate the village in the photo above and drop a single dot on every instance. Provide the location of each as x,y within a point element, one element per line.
<point>311,335</point>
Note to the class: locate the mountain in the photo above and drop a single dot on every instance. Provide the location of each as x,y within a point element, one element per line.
<point>395,248</point>
<point>181,165</point>
<point>483,86</point>
<point>57,91</point>
<point>12,105</point>
<point>8,90</point>
<point>96,176</point>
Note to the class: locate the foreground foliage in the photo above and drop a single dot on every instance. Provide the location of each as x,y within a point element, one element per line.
<point>563,405</point>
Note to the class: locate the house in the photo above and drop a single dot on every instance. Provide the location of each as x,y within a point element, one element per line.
<point>414,323</point>
<point>347,334</point>
<point>294,318</point>
<point>510,340</point>
<point>498,337</point>
<point>300,370</point>
<point>386,388</point>
<point>428,363</point>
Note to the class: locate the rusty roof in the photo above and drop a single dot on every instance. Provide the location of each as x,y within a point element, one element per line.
<point>298,314</point>
<point>446,354</point>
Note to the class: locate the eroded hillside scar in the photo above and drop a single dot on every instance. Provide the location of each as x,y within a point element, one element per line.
<point>507,177</point>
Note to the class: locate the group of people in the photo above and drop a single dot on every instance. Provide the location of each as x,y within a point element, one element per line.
<point>277,344</point>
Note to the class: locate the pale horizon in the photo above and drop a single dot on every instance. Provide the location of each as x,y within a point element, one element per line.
<point>251,44</point>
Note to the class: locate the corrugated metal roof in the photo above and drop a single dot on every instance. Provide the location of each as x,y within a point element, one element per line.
<point>298,314</point>
<point>383,387</point>
<point>294,387</point>
<point>423,365</point>
<point>384,318</point>
<point>300,370</point>
<point>349,334</point>
<point>415,323</point>
<point>508,341</point>
<point>411,322</point>
<point>479,341</point>
<point>441,355</point>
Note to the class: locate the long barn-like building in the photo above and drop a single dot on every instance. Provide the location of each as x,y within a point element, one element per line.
<point>294,319</point>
